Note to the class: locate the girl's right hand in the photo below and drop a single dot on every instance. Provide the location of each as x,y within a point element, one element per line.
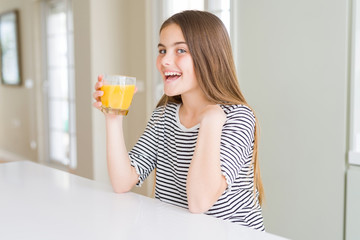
<point>98,93</point>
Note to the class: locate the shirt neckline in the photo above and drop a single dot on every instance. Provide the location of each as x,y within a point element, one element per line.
<point>182,127</point>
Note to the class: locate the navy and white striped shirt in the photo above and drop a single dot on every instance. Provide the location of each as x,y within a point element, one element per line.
<point>168,146</point>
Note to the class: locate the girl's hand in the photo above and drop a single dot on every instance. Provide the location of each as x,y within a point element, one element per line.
<point>213,113</point>
<point>98,93</point>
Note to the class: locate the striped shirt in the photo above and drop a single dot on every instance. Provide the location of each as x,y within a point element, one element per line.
<point>168,146</point>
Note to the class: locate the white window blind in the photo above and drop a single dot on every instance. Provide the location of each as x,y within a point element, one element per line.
<point>220,8</point>
<point>354,151</point>
<point>59,83</point>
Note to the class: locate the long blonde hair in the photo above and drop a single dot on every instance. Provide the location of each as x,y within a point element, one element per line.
<point>210,48</point>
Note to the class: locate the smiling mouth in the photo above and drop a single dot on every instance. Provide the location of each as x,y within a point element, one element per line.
<point>172,75</point>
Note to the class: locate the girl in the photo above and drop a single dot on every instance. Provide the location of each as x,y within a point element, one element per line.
<point>201,138</point>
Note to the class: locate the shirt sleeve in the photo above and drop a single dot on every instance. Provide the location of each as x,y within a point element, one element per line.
<point>144,154</point>
<point>237,142</point>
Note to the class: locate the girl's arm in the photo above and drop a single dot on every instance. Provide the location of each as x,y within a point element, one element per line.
<point>205,181</point>
<point>122,175</point>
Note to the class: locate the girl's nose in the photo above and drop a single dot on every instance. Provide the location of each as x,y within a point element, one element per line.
<point>166,59</point>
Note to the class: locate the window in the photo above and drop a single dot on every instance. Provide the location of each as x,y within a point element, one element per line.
<point>172,6</point>
<point>59,83</point>
<point>354,154</point>
<point>220,8</point>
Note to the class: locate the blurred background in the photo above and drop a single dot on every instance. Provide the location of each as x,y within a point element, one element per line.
<point>297,63</point>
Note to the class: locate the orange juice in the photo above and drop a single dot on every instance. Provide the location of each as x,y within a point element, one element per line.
<point>117,96</point>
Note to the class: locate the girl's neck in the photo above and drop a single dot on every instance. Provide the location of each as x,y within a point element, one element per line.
<point>191,109</point>
<point>194,102</point>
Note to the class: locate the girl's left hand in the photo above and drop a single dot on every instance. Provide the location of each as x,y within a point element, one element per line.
<point>213,113</point>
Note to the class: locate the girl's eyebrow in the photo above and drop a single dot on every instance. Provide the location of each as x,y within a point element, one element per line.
<point>176,43</point>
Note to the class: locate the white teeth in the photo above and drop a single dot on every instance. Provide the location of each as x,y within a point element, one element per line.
<point>172,74</point>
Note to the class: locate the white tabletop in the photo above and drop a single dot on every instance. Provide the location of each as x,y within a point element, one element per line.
<point>38,202</point>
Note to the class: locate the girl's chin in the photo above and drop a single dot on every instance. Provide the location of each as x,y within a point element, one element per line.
<point>170,93</point>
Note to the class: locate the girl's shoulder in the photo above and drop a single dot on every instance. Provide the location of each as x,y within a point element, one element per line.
<point>239,116</point>
<point>237,110</point>
<point>167,107</point>
<point>165,110</point>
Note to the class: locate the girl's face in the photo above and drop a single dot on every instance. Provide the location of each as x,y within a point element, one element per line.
<point>175,63</point>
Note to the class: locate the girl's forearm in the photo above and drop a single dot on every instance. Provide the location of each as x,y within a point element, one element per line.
<point>122,175</point>
<point>205,182</point>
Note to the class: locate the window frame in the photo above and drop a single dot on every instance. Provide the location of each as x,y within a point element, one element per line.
<point>72,160</point>
<point>354,115</point>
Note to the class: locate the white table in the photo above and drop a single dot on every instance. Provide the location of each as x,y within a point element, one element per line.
<point>38,202</point>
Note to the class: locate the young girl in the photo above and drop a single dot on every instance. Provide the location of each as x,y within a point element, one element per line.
<point>201,138</point>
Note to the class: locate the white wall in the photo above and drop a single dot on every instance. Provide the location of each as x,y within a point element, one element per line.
<point>352,203</point>
<point>293,71</point>
<point>18,112</point>
<point>83,56</point>
<point>118,44</point>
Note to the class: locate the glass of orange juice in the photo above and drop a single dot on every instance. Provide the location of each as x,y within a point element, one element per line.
<point>118,93</point>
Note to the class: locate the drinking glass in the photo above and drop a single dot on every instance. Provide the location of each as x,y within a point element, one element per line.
<point>118,93</point>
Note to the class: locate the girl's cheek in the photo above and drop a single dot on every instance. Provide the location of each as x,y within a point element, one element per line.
<point>158,63</point>
<point>184,61</point>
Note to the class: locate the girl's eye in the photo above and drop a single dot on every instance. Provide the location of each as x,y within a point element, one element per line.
<point>181,51</point>
<point>162,51</point>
